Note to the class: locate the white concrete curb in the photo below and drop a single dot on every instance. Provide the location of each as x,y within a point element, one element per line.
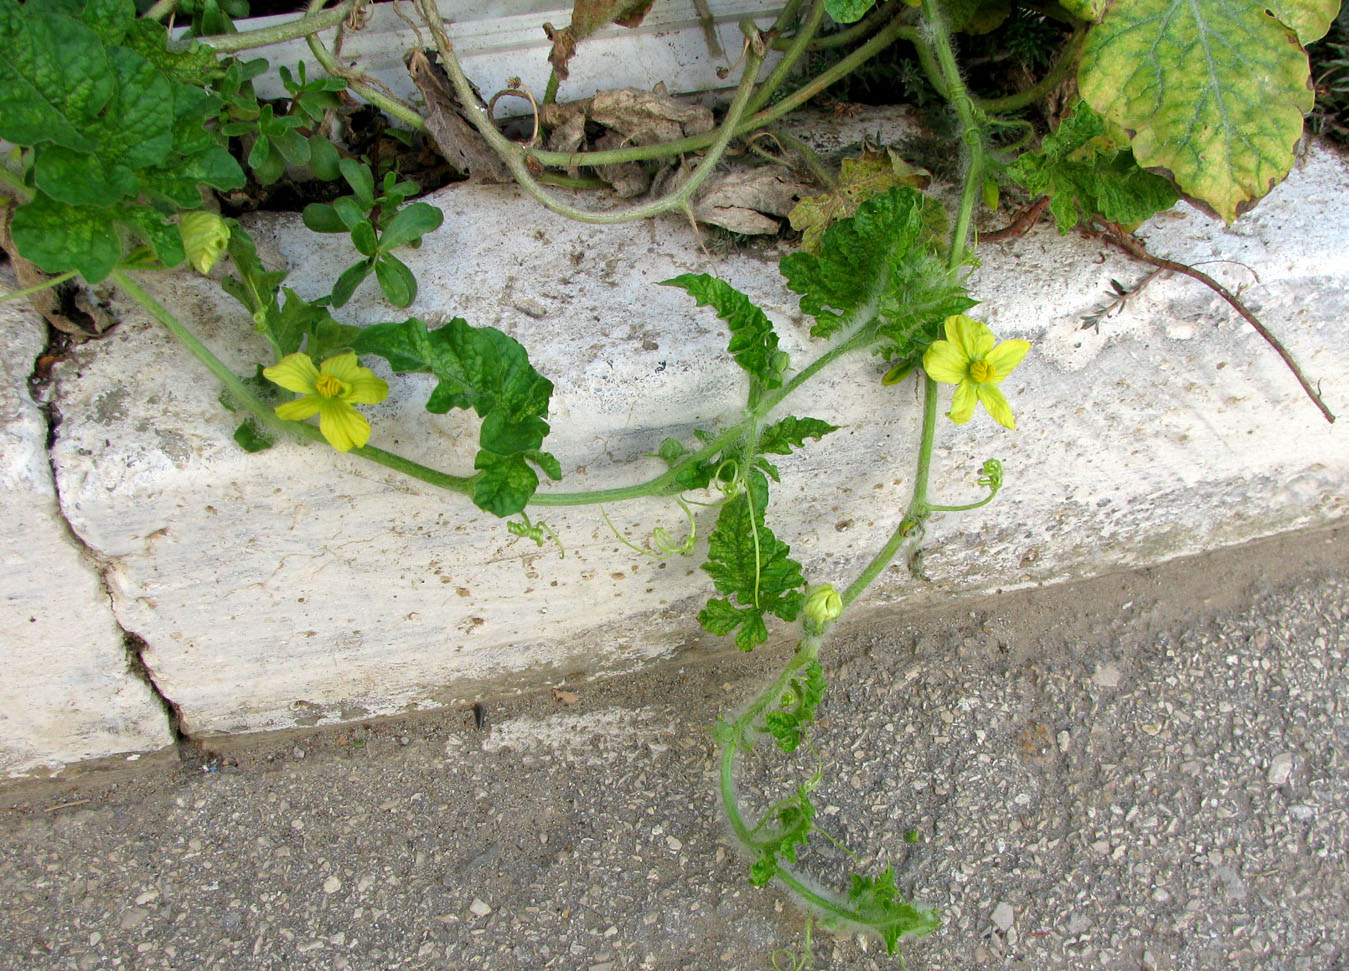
<point>299,586</point>
<point>67,693</point>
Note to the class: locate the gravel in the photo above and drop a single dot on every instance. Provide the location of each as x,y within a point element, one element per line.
<point>1146,771</point>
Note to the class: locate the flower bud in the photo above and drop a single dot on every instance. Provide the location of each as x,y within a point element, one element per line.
<point>823,605</point>
<point>205,236</point>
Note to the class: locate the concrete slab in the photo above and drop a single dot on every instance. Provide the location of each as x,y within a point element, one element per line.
<point>67,693</point>
<point>299,586</point>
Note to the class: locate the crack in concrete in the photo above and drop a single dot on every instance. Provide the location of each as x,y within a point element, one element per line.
<point>39,382</point>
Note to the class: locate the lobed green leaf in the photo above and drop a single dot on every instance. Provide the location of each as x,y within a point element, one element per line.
<point>878,276</point>
<point>1085,173</point>
<point>788,433</point>
<point>485,370</point>
<point>750,565</point>
<point>753,342</point>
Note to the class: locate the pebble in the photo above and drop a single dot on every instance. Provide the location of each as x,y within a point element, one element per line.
<point>1107,676</point>
<point>479,907</point>
<point>332,885</point>
<point>133,917</point>
<point>1003,916</point>
<point>1280,768</point>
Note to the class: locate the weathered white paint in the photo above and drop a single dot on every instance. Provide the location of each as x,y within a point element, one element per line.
<point>65,693</point>
<point>497,48</point>
<point>299,586</point>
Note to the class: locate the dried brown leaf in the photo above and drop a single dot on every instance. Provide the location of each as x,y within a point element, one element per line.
<point>454,136</point>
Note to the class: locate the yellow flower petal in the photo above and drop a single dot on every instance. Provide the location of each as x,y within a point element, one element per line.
<point>299,409</point>
<point>295,372</point>
<point>1006,356</point>
<point>944,362</point>
<point>962,405</point>
<point>366,389</point>
<point>344,367</point>
<point>342,425</point>
<point>997,405</point>
<point>972,338</point>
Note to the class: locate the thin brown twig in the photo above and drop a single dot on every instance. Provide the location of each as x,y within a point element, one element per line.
<point>1021,225</point>
<point>1114,234</point>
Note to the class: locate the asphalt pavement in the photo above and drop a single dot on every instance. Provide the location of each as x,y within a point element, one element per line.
<point>1142,771</point>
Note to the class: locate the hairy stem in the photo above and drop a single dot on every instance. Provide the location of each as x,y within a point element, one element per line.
<point>261,411</point>
<point>304,26</point>
<point>514,155</point>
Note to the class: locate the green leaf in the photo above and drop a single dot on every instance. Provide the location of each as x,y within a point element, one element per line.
<point>55,78</point>
<point>877,904</point>
<point>323,158</point>
<point>255,287</point>
<point>1085,173</point>
<point>847,11</point>
<point>252,438</point>
<point>162,236</point>
<point>787,723</point>
<point>1088,10</point>
<point>788,433</point>
<point>878,276</point>
<point>320,217</point>
<point>483,369</point>
<point>363,238</point>
<point>1309,19</point>
<point>396,280</point>
<point>110,19</point>
<point>753,341</point>
<point>411,224</point>
<point>796,820</point>
<point>59,237</point>
<point>861,178</point>
<point>349,210</point>
<point>361,181</point>
<point>1213,91</point>
<point>351,278</point>
<point>82,179</point>
<point>749,564</point>
<point>505,484</point>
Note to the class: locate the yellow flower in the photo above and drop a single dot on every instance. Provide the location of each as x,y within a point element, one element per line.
<point>330,391</point>
<point>969,360</point>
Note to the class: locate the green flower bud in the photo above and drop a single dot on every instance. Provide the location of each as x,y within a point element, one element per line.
<point>899,372</point>
<point>823,604</point>
<point>205,236</point>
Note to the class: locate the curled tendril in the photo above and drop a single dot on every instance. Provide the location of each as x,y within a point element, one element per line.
<point>660,537</point>
<point>803,961</point>
<point>536,532</point>
<point>990,476</point>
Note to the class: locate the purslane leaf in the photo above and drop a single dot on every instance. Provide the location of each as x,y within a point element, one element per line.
<point>1085,173</point>
<point>878,276</point>
<point>753,342</point>
<point>1214,92</point>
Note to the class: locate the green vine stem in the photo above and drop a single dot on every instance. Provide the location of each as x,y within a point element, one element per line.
<point>159,10</point>
<point>262,412</point>
<point>513,154</point>
<point>304,26</point>
<point>39,287</point>
<point>794,52</point>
